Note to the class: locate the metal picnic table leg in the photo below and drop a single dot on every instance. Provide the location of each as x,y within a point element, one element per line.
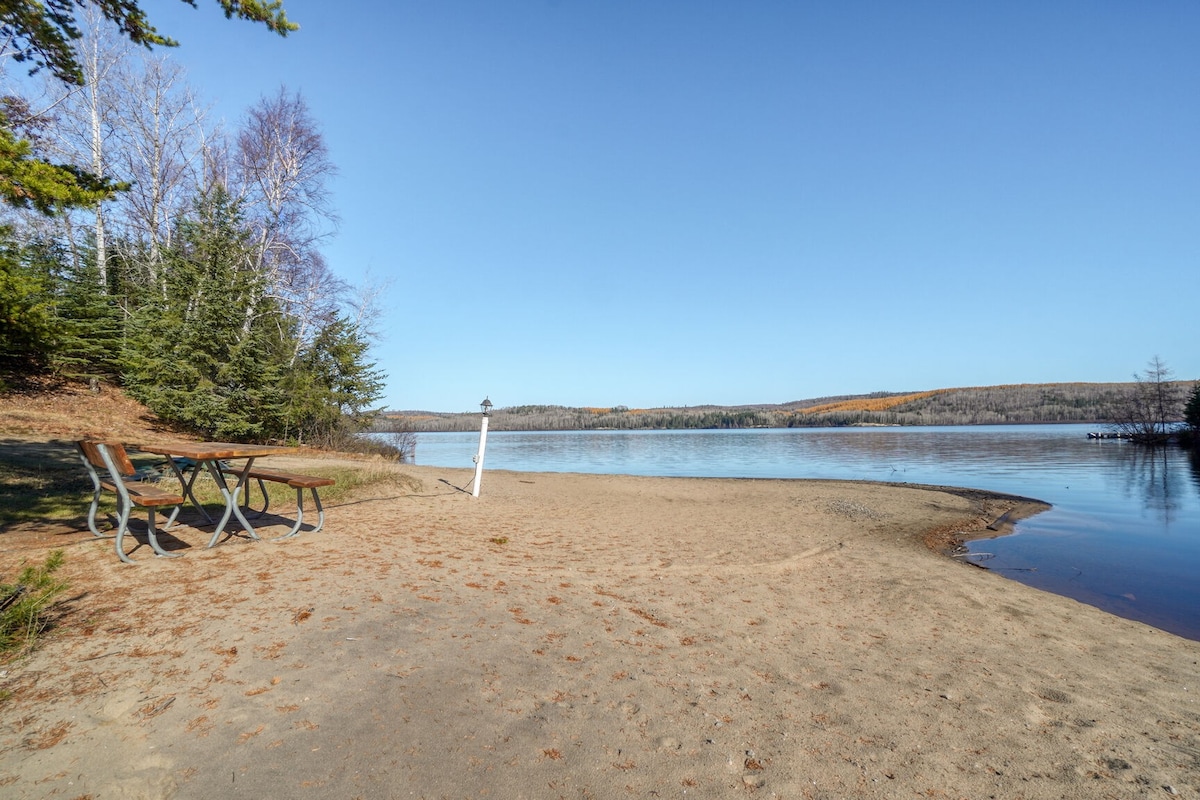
<point>97,490</point>
<point>299,514</point>
<point>154,538</point>
<point>187,491</point>
<point>124,508</point>
<point>231,499</point>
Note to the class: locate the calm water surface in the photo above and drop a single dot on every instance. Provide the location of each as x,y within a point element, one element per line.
<point>1124,533</point>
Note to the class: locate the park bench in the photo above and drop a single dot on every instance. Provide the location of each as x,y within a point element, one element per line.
<point>294,480</point>
<point>110,469</point>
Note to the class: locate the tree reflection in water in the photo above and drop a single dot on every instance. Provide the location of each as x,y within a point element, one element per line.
<point>1157,478</point>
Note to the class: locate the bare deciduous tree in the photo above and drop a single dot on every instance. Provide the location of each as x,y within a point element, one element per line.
<point>161,152</point>
<point>135,119</point>
<point>281,168</point>
<point>1153,405</point>
<point>87,117</point>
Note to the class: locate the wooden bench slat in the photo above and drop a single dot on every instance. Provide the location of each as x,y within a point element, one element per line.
<point>292,479</point>
<point>145,495</point>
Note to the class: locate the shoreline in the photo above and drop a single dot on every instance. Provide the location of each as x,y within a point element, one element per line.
<point>570,634</point>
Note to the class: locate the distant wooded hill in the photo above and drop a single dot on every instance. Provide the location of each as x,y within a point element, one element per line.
<point>1097,403</point>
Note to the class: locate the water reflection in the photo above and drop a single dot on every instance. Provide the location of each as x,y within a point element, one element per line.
<point>1152,478</point>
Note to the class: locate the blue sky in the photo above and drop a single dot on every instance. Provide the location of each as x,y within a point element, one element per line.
<point>651,203</point>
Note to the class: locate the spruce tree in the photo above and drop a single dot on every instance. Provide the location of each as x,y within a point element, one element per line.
<point>1191,412</point>
<point>87,320</point>
<point>331,384</point>
<point>27,333</point>
<point>207,352</point>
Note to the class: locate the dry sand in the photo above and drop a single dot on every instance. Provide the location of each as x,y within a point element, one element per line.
<point>593,636</point>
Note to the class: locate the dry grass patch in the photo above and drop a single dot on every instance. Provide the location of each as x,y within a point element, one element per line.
<point>46,408</point>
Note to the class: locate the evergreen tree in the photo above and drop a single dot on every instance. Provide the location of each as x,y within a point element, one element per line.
<point>27,181</point>
<point>332,385</point>
<point>1151,406</point>
<point>27,336</point>
<point>1191,412</point>
<point>43,33</point>
<point>195,356</point>
<point>87,322</point>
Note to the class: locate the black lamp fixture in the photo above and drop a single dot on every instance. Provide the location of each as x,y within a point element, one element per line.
<point>486,407</point>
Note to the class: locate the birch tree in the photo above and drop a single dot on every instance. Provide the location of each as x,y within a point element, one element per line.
<point>87,116</point>
<point>161,152</point>
<point>44,35</point>
<point>281,167</point>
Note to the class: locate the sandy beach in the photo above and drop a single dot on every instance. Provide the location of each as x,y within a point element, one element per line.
<point>571,636</point>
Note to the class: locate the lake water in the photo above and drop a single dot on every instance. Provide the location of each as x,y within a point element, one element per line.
<point>1124,533</point>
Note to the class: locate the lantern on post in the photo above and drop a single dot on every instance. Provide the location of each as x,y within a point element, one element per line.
<point>486,408</point>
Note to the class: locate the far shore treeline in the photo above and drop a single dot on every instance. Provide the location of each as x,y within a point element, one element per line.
<point>1103,404</point>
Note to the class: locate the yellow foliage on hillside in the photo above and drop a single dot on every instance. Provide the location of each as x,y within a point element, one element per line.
<point>870,403</point>
<point>411,417</point>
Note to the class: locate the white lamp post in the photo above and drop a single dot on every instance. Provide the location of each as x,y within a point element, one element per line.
<point>486,408</point>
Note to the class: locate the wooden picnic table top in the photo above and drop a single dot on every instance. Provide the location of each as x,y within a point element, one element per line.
<point>211,451</point>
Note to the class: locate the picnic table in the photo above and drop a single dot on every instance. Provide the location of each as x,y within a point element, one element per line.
<point>209,455</point>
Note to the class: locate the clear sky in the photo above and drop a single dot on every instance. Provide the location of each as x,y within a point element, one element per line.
<point>684,202</point>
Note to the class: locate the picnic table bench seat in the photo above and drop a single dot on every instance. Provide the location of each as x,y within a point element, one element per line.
<point>109,467</point>
<point>292,479</point>
<point>144,494</point>
<point>295,480</point>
